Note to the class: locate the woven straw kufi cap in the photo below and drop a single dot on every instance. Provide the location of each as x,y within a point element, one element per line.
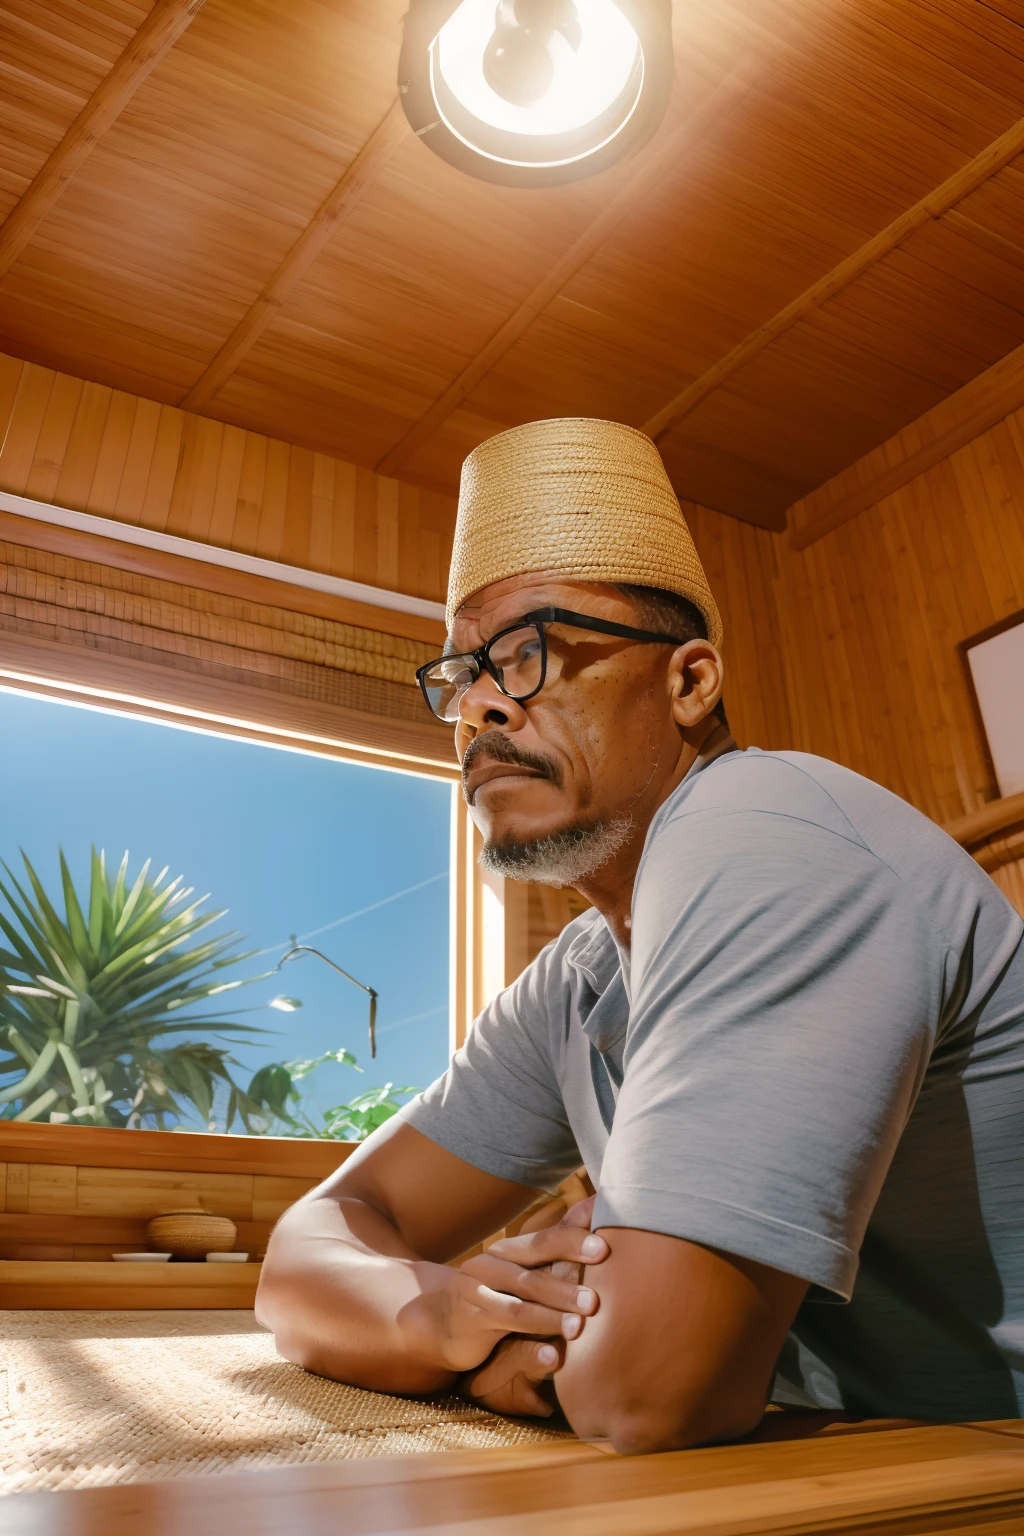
<point>587,498</point>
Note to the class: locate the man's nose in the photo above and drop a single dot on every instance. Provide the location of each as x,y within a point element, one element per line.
<point>482,706</point>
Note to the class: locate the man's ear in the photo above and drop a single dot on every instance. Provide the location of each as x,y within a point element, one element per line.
<point>696,673</point>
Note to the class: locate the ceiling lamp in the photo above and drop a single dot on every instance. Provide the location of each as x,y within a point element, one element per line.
<point>535,92</point>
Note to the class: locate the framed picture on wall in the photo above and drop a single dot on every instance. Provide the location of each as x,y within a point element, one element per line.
<point>994,663</point>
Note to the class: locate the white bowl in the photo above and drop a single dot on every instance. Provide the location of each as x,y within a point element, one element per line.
<point>141,1258</point>
<point>227,1258</point>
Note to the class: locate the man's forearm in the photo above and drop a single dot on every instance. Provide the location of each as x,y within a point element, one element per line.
<point>346,1297</point>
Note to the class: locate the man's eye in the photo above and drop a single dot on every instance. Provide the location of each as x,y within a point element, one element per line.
<point>456,673</point>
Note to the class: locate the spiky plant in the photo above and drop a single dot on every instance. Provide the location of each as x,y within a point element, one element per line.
<point>89,1003</point>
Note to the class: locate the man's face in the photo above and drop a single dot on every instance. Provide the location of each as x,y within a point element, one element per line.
<point>591,748</point>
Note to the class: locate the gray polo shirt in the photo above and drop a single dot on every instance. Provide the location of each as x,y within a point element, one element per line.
<point>813,1057</point>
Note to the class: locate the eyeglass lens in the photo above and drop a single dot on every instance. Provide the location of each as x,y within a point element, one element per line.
<point>517,658</point>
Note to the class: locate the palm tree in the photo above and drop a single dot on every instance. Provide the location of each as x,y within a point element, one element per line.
<point>84,1001</point>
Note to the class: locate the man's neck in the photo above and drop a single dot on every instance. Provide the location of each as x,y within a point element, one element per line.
<point>610,889</point>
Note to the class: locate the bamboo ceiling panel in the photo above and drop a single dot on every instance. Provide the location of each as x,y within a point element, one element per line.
<point>798,130</point>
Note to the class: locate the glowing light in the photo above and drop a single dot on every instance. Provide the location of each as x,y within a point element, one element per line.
<point>584,81</point>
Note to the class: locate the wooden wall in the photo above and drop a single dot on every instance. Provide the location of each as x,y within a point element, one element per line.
<point>742,567</point>
<point>94,449</point>
<point>870,617</point>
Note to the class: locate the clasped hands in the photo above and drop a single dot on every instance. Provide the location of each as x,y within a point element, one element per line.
<point>534,1287</point>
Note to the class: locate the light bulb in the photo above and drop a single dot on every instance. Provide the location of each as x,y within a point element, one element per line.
<point>534,93</point>
<point>560,87</point>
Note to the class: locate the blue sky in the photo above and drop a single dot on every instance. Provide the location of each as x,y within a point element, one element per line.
<point>288,842</point>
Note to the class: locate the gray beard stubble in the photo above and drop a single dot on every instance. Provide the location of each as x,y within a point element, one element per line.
<point>565,857</point>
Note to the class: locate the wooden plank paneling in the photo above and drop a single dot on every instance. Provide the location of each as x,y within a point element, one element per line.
<point>52,1190</point>
<point>54,434</point>
<point>957,421</point>
<point>158,33</point>
<point>19,446</point>
<point>17,1187</point>
<point>272,1194</point>
<point>146,1192</point>
<point>88,1146</point>
<point>129,459</point>
<point>74,481</point>
<point>876,666</point>
<point>992,159</point>
<point>353,185</point>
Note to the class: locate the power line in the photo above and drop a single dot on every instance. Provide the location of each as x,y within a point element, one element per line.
<point>351,916</point>
<point>412,1019</point>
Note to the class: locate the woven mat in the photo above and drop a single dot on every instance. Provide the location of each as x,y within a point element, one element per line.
<point>89,1398</point>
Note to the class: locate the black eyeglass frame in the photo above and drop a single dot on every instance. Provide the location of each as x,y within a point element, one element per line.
<point>480,659</point>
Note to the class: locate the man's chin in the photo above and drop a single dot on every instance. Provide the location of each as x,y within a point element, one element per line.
<point>563,854</point>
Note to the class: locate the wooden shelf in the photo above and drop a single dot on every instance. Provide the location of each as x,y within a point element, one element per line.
<point>97,1286</point>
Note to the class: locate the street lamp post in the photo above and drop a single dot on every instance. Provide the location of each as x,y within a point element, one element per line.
<point>306,949</point>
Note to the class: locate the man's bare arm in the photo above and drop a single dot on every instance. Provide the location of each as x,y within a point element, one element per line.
<point>682,1348</point>
<point>355,1284</point>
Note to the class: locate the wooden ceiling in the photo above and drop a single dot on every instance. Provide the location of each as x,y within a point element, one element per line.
<point>225,209</point>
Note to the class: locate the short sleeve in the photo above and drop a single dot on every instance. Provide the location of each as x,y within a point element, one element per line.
<point>499,1105</point>
<point>782,1015</point>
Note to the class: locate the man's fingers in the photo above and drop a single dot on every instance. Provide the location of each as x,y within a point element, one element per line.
<point>505,1382</point>
<point>563,1294</point>
<point>510,1314</point>
<point>534,1359</point>
<point>532,1249</point>
<point>516,1397</point>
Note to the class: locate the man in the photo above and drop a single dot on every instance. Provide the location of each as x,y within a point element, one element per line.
<point>787,1042</point>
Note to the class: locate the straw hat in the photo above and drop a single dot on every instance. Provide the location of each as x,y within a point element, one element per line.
<point>589,498</point>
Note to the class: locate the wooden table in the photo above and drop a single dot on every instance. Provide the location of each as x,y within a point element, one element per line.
<point>801,1476</point>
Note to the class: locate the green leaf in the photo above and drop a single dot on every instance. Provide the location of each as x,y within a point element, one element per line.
<point>35,1109</point>
<point>99,900</point>
<point>75,920</point>
<point>72,1013</point>
<point>35,1074</point>
<point>71,1061</point>
<point>117,896</point>
<point>300,1069</point>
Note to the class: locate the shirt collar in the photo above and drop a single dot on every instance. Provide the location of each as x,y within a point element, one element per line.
<point>593,951</point>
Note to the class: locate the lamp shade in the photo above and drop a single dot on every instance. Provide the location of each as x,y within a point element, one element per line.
<point>535,92</point>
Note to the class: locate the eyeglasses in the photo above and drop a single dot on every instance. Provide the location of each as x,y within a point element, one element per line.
<point>516,658</point>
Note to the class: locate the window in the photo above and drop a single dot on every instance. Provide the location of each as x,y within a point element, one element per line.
<point>352,859</point>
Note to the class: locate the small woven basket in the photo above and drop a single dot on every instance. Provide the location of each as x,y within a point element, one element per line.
<point>190,1234</point>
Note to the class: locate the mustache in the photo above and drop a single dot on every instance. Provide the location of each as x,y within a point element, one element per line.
<point>501,749</point>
